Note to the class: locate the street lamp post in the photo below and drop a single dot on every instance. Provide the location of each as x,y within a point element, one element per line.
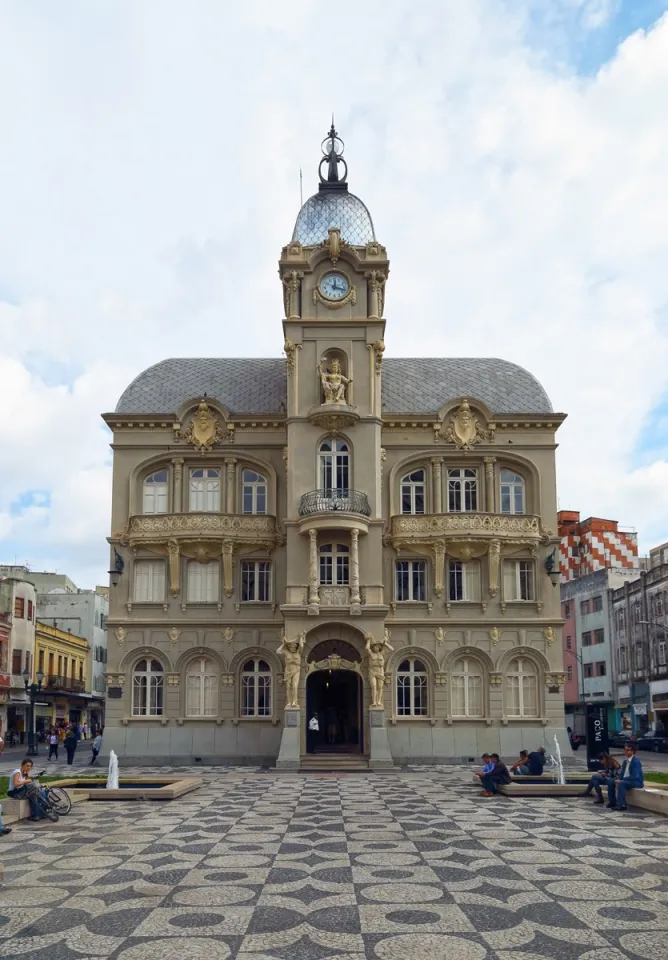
<point>33,690</point>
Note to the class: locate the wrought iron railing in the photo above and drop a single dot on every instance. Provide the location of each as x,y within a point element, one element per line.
<point>55,682</point>
<point>331,501</point>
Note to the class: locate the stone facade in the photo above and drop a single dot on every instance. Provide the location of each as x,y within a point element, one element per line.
<point>375,529</point>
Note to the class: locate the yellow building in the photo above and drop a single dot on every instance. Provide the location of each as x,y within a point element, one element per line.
<point>62,658</point>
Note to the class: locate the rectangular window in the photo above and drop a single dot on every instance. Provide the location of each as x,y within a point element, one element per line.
<point>81,671</point>
<point>410,580</point>
<point>599,636</point>
<point>586,639</point>
<point>16,662</point>
<point>203,582</point>
<point>623,660</point>
<point>29,662</point>
<point>662,653</point>
<point>518,580</point>
<point>255,581</point>
<point>621,621</point>
<point>30,610</point>
<point>60,666</point>
<point>40,660</point>
<point>463,580</point>
<point>570,672</point>
<point>462,491</point>
<point>334,565</point>
<point>601,669</point>
<point>584,607</point>
<point>205,491</point>
<point>51,664</point>
<point>149,581</point>
<point>73,669</point>
<point>589,670</point>
<point>597,603</point>
<point>19,607</point>
<point>567,610</point>
<point>569,643</point>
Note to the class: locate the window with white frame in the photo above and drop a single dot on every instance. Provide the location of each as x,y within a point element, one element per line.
<point>203,582</point>
<point>334,471</point>
<point>256,688</point>
<point>623,660</point>
<point>512,492</point>
<point>255,581</point>
<point>410,580</point>
<point>467,688</point>
<point>661,653</point>
<point>205,490</point>
<point>413,492</point>
<point>148,688</point>
<point>201,688</point>
<point>412,688</point>
<point>156,493</point>
<point>621,621</point>
<point>463,580</point>
<point>462,490</point>
<point>518,580</point>
<point>149,586</point>
<point>522,688</point>
<point>253,492</point>
<point>334,564</point>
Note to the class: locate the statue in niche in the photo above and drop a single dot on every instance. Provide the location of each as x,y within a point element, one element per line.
<point>334,384</point>
<point>291,651</point>
<point>375,650</point>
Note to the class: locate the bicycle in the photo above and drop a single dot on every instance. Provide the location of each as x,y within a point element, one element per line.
<point>55,802</point>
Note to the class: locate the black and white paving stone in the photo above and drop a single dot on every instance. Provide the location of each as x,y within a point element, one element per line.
<point>400,866</point>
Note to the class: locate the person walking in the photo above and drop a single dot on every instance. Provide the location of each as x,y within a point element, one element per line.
<point>630,778</point>
<point>70,744</point>
<point>608,768</point>
<point>84,731</point>
<point>97,746</point>
<point>53,744</point>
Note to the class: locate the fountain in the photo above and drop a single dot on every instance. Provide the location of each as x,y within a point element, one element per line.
<point>560,767</point>
<point>112,777</point>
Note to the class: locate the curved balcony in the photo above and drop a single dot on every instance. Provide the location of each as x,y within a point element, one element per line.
<point>334,508</point>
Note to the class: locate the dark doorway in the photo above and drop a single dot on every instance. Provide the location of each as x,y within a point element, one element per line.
<point>335,697</point>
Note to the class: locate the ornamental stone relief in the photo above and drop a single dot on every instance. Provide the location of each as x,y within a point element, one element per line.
<point>465,430</point>
<point>204,430</point>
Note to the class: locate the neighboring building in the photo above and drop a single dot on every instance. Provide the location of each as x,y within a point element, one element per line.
<point>5,643</point>
<point>588,644</point>
<point>640,638</point>
<point>83,613</point>
<point>43,581</point>
<point>18,608</point>
<point>589,545</point>
<point>62,657</point>
<point>335,498</point>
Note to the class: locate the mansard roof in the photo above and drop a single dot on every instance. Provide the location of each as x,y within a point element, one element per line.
<point>420,385</point>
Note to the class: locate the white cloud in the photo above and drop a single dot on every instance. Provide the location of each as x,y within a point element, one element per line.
<point>150,177</point>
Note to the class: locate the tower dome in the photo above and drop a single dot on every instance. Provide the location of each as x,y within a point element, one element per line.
<point>333,205</point>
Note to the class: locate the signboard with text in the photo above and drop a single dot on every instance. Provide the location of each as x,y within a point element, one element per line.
<point>597,732</point>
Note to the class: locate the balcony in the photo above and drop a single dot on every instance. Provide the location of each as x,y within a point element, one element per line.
<point>56,683</point>
<point>334,509</point>
<point>189,527</point>
<point>474,526</point>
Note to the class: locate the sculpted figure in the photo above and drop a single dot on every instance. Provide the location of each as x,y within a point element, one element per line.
<point>204,430</point>
<point>375,650</point>
<point>291,651</point>
<point>334,384</point>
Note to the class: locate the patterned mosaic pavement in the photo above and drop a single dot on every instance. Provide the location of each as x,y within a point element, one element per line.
<point>413,865</point>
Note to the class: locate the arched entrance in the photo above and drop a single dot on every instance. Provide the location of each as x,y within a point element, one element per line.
<point>334,696</point>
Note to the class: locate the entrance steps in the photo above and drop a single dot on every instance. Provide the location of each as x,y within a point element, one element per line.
<point>333,763</point>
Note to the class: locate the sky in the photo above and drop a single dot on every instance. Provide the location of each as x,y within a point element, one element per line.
<point>514,156</point>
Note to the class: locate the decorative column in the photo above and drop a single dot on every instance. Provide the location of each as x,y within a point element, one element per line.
<point>355,598</point>
<point>228,553</point>
<point>494,563</point>
<point>230,483</point>
<point>177,494</point>
<point>174,567</point>
<point>437,464</point>
<point>489,484</point>
<point>439,566</point>
<point>313,578</point>
<point>291,283</point>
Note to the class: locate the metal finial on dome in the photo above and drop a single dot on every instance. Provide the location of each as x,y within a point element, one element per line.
<point>332,148</point>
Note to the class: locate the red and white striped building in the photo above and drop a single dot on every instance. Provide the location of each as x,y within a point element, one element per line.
<point>593,544</point>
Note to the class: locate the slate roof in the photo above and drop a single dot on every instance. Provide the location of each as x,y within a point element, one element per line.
<point>410,385</point>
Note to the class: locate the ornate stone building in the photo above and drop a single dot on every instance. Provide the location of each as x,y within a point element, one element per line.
<point>368,541</point>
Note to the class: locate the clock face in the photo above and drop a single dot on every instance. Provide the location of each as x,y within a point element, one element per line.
<point>334,286</point>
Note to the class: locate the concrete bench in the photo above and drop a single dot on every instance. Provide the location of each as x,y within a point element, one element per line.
<point>15,810</point>
<point>651,798</point>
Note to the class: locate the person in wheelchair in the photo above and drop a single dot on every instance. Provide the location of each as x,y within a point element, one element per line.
<point>23,787</point>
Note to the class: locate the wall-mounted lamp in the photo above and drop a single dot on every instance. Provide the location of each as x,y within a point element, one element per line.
<point>552,568</point>
<point>117,572</point>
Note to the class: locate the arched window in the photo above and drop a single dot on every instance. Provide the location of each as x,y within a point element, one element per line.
<point>201,688</point>
<point>205,490</point>
<point>256,688</point>
<point>334,564</point>
<point>334,468</point>
<point>522,688</point>
<point>412,688</point>
<point>466,687</point>
<point>413,492</point>
<point>253,492</point>
<point>512,492</point>
<point>148,688</point>
<point>156,493</point>
<point>462,490</point>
